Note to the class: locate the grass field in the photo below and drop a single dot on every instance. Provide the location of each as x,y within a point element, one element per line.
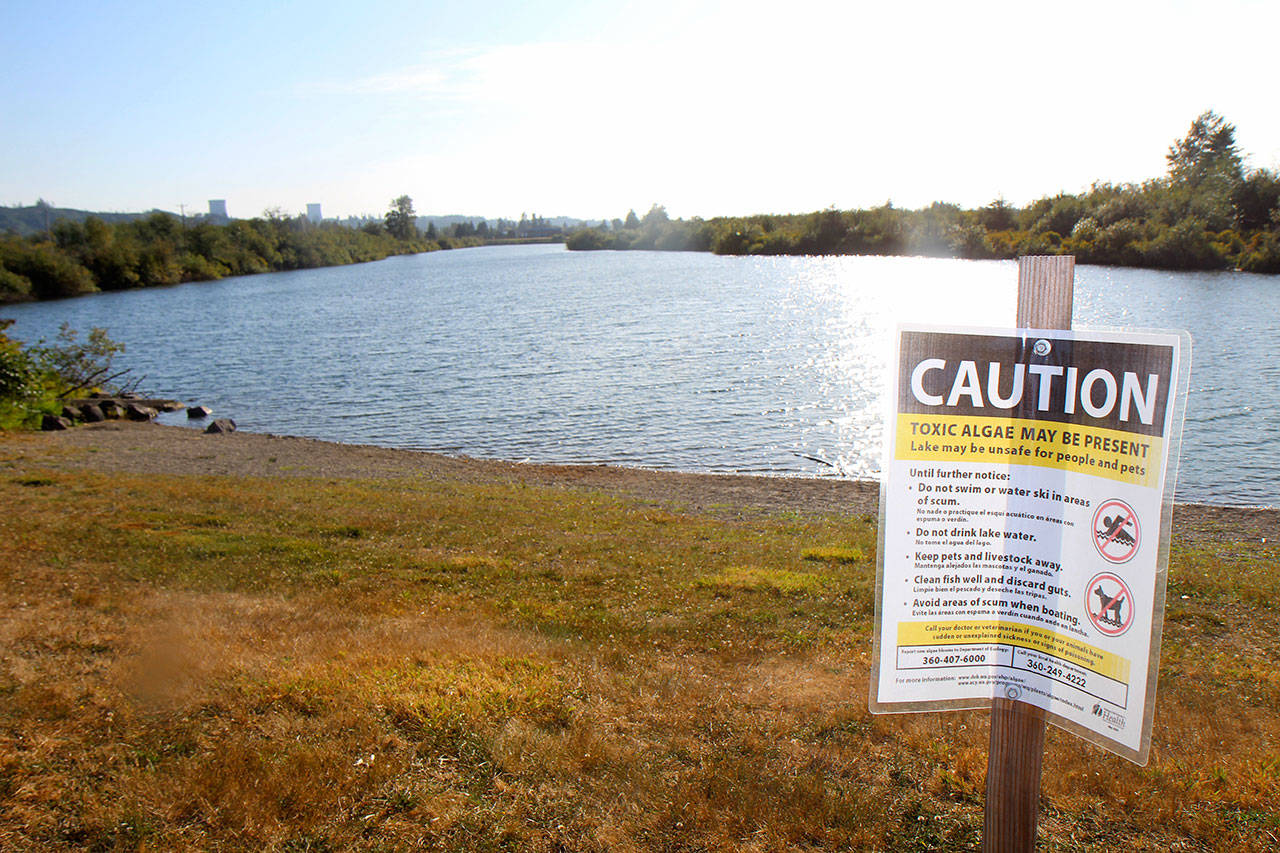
<point>327,664</point>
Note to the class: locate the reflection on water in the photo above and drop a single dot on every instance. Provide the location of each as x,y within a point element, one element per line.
<point>663,360</point>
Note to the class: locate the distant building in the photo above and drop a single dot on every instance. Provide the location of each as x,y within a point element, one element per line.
<point>313,213</point>
<point>218,209</point>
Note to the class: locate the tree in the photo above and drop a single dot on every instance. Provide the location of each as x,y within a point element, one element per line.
<point>400,219</point>
<point>1205,168</point>
<point>997,216</point>
<point>1256,198</point>
<point>633,221</point>
<point>1207,151</point>
<point>657,215</point>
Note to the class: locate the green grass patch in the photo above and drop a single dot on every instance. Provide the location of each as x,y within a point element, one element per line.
<point>834,555</point>
<point>482,665</point>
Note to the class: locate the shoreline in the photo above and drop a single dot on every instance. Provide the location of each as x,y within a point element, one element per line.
<point>147,448</point>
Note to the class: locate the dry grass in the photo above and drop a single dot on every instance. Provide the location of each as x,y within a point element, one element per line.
<point>222,663</point>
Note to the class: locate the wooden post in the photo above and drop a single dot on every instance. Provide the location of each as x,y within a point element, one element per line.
<point>1016,752</point>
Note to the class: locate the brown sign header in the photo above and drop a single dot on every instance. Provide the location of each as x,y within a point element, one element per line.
<point>1112,385</point>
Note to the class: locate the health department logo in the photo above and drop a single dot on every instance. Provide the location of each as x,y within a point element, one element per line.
<point>1109,716</point>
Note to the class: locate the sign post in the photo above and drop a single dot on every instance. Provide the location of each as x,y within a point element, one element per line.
<point>1015,753</point>
<point>1025,511</point>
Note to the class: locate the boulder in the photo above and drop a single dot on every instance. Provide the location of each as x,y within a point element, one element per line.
<point>111,409</point>
<point>50,423</point>
<point>91,414</point>
<point>194,412</point>
<point>136,412</point>
<point>221,425</point>
<point>72,413</point>
<point>170,406</point>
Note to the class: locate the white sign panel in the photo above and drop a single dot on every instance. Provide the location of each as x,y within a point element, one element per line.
<point>1024,524</point>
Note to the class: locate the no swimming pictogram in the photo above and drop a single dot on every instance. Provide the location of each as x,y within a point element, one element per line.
<point>1109,604</point>
<point>1116,532</point>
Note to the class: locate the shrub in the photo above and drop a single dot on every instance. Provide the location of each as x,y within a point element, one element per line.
<point>14,287</point>
<point>20,385</point>
<point>1184,246</point>
<point>51,273</point>
<point>17,374</point>
<point>588,239</point>
<point>34,379</point>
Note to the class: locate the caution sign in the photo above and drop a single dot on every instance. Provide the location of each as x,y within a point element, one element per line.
<point>1024,512</point>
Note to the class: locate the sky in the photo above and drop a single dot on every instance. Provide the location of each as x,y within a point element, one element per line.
<point>589,109</point>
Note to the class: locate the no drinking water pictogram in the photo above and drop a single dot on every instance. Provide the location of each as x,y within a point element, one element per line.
<point>1116,532</point>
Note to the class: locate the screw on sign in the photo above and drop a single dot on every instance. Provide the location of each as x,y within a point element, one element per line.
<point>1110,604</point>
<point>1116,531</point>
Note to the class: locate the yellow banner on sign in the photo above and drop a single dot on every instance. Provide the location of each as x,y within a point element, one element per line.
<point>935,633</point>
<point>1118,455</point>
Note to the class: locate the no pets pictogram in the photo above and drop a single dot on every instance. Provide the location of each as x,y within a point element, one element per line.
<point>1110,604</point>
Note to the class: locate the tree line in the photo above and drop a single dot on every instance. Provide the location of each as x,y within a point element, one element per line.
<point>1208,212</point>
<point>72,258</point>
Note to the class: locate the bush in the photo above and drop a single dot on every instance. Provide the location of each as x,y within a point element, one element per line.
<point>34,379</point>
<point>73,365</point>
<point>588,239</point>
<point>17,373</point>
<point>51,273</point>
<point>1184,246</point>
<point>21,388</point>
<point>14,287</point>
<point>1263,256</point>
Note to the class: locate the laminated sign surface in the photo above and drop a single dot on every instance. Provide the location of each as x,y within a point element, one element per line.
<point>1025,512</point>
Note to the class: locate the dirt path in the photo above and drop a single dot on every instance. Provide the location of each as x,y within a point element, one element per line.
<point>153,449</point>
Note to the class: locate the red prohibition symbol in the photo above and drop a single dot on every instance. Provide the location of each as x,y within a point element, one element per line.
<point>1116,532</point>
<point>1110,604</point>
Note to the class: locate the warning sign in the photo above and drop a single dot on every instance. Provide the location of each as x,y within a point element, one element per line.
<point>1027,491</point>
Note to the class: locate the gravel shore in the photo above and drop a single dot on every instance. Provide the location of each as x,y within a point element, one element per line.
<point>143,448</point>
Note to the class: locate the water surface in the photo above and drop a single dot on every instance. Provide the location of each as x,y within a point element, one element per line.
<point>662,360</point>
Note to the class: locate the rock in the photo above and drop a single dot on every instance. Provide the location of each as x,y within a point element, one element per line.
<point>50,423</point>
<point>221,425</point>
<point>194,412</point>
<point>170,406</point>
<point>111,409</point>
<point>130,395</point>
<point>91,414</point>
<point>72,413</point>
<point>140,413</point>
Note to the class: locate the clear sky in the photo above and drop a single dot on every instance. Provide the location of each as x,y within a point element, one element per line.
<point>591,108</point>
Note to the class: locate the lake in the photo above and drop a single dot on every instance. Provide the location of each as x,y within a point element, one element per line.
<point>683,361</point>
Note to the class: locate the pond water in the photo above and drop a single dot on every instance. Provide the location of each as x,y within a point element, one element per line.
<point>661,360</point>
